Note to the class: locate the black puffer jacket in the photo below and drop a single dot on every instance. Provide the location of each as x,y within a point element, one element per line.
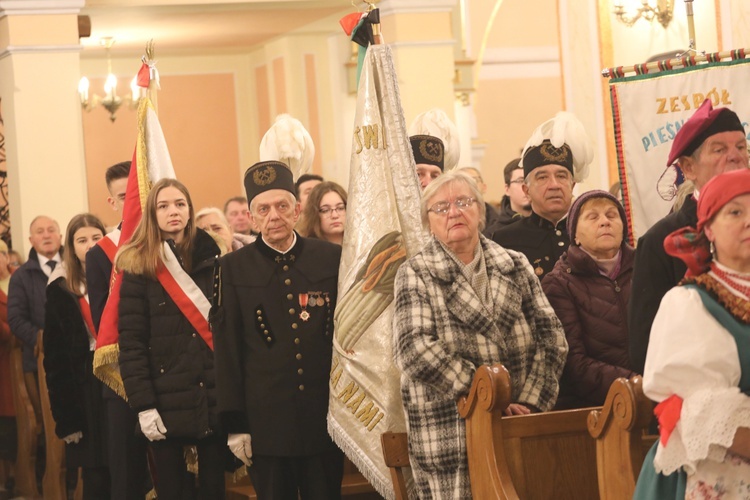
<point>164,363</point>
<point>593,311</point>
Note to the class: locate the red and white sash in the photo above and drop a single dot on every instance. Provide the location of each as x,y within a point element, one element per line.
<point>185,293</point>
<point>109,244</point>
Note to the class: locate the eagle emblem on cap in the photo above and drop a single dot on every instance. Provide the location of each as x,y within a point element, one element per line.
<point>264,176</point>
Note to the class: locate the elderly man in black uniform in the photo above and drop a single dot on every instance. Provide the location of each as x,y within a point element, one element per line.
<point>711,142</point>
<point>556,157</point>
<point>273,327</point>
<point>542,237</point>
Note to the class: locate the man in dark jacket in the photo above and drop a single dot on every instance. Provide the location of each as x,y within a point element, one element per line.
<point>273,333</point>
<point>542,237</point>
<point>516,204</point>
<point>126,451</point>
<point>26,292</point>
<point>711,142</point>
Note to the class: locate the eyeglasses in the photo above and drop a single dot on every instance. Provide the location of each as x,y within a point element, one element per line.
<point>443,207</point>
<point>520,180</point>
<point>327,211</point>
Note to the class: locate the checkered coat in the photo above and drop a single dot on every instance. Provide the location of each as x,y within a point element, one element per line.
<point>443,332</point>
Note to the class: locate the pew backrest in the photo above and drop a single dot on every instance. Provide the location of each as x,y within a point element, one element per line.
<point>537,456</point>
<point>619,429</point>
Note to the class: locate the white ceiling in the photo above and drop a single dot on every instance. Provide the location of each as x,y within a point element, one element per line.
<point>193,26</point>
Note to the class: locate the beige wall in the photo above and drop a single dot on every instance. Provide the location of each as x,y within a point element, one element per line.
<point>198,117</point>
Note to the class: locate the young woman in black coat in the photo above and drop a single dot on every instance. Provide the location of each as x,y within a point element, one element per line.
<point>166,348</point>
<point>69,340</point>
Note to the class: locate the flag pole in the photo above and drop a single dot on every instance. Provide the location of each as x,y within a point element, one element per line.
<point>691,26</point>
<point>153,83</point>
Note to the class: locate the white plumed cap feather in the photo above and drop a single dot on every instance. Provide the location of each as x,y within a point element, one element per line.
<point>437,124</point>
<point>565,128</point>
<point>289,142</point>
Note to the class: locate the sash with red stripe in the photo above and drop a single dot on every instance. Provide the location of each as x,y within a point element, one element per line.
<point>109,244</point>
<point>188,297</point>
<point>86,313</point>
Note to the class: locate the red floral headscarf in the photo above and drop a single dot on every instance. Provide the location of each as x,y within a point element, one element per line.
<point>687,243</point>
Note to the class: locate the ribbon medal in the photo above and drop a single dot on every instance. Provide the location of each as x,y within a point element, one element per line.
<point>304,315</point>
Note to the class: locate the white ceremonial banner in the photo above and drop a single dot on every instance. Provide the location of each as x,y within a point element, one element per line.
<point>648,110</point>
<point>383,229</point>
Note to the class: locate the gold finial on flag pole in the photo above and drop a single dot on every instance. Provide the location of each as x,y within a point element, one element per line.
<point>153,74</point>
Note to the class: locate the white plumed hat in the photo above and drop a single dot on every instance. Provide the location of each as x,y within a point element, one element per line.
<point>437,124</point>
<point>563,129</point>
<point>289,142</point>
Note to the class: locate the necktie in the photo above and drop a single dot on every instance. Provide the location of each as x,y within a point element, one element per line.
<point>51,264</point>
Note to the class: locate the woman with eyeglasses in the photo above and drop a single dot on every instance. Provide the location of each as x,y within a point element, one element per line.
<point>324,215</point>
<point>462,302</point>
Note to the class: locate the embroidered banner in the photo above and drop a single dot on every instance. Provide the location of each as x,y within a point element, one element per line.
<point>383,228</point>
<point>648,110</point>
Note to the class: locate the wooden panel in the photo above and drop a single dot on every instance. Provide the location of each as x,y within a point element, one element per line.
<point>26,425</point>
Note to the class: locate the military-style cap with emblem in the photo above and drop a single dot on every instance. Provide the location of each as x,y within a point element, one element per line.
<point>428,149</point>
<point>561,140</point>
<point>438,128</point>
<point>547,154</point>
<point>267,175</point>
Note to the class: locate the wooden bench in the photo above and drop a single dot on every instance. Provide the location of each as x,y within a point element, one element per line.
<point>539,456</point>
<point>619,429</point>
<point>396,455</point>
<point>26,425</point>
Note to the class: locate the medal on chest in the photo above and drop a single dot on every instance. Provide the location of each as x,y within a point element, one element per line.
<point>304,315</point>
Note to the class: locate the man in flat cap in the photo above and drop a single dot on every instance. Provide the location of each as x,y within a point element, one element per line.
<point>429,155</point>
<point>273,330</point>
<point>711,142</point>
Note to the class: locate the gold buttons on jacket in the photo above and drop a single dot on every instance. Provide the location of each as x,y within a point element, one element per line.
<point>300,371</point>
<point>289,296</point>
<point>285,268</point>
<point>301,387</point>
<point>296,341</point>
<point>294,326</point>
<point>287,281</point>
<point>298,356</point>
<point>291,311</point>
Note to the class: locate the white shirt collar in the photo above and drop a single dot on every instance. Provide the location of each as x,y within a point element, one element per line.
<point>43,262</point>
<point>294,240</point>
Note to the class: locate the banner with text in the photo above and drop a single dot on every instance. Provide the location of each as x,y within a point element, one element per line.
<point>648,110</point>
<point>383,229</point>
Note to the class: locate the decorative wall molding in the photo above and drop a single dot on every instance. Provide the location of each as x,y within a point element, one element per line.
<point>46,7</point>
<point>389,7</point>
<point>520,62</point>
<point>38,49</point>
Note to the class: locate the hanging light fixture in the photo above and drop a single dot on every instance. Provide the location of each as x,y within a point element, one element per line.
<point>650,10</point>
<point>111,101</point>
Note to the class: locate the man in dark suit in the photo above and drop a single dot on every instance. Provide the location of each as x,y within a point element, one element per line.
<point>711,142</point>
<point>126,451</point>
<point>273,330</point>
<point>26,292</point>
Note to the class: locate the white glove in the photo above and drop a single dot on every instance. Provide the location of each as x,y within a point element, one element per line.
<point>239,445</point>
<point>151,425</point>
<point>73,438</point>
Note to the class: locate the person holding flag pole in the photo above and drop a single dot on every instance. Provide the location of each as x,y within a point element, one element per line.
<point>166,345</point>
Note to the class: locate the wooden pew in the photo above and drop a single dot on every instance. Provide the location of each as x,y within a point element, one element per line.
<point>619,429</point>
<point>396,455</point>
<point>539,456</point>
<point>53,484</point>
<point>26,424</point>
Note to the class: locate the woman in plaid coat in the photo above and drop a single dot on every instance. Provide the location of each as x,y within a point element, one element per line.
<point>464,301</point>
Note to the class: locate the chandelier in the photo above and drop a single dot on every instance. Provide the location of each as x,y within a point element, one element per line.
<point>111,101</point>
<point>661,11</point>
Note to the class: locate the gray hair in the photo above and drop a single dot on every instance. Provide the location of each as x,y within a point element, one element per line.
<point>212,210</point>
<point>450,179</point>
<point>291,197</point>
